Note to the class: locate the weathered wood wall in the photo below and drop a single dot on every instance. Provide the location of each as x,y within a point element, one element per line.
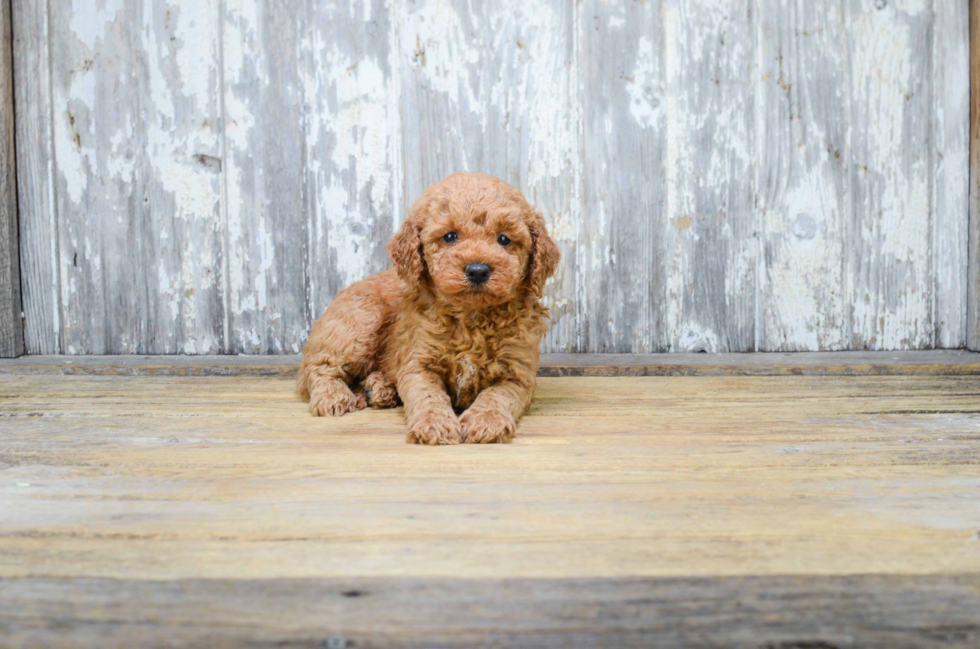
<point>973,281</point>
<point>11,324</point>
<point>723,176</point>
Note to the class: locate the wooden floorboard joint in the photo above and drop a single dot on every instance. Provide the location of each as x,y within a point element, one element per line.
<point>925,363</point>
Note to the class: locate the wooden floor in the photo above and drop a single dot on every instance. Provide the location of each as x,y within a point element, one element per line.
<point>725,511</point>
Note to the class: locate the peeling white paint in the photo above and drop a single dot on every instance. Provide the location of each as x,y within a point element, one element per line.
<point>497,88</point>
<point>892,298</point>
<point>645,98</point>
<point>91,18</point>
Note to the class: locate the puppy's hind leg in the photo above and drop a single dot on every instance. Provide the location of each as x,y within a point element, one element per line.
<point>330,395</point>
<point>344,345</point>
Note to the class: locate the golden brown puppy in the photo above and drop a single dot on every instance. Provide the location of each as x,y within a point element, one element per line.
<point>454,327</point>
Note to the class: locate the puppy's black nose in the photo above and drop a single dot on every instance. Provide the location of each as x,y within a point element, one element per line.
<point>477,273</point>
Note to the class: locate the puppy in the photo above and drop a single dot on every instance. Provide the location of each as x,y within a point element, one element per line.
<point>453,329</point>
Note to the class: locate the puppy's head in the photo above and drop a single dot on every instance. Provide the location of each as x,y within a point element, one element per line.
<point>475,242</point>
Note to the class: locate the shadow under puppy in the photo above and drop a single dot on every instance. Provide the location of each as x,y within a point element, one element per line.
<point>453,328</point>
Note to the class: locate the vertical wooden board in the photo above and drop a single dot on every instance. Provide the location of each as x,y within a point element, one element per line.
<point>442,95</point>
<point>802,182</point>
<point>950,118</point>
<point>351,144</point>
<point>179,121</point>
<point>973,237</point>
<point>135,136</point>
<point>267,264</point>
<point>95,82</point>
<point>35,179</point>
<point>890,266</point>
<point>711,240</point>
<point>533,135</point>
<point>493,87</point>
<point>623,151</point>
<point>11,323</point>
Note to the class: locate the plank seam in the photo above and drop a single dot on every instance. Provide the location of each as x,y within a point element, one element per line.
<point>225,244</point>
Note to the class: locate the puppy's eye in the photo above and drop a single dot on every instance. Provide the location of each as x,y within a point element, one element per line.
<point>450,237</point>
<point>503,240</point>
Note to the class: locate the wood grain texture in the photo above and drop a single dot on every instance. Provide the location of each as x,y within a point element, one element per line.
<point>11,322</point>
<point>945,362</point>
<point>803,151</point>
<point>853,612</point>
<point>709,56</point>
<point>749,509</point>
<point>41,268</point>
<point>352,155</point>
<point>950,169</point>
<point>265,151</point>
<point>623,236</point>
<point>973,279</point>
<point>891,281</point>
<point>135,130</point>
<point>609,477</point>
<point>778,175</point>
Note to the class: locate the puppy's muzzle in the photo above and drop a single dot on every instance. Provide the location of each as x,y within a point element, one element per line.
<point>477,274</point>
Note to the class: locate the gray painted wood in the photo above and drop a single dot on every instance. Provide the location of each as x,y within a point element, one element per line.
<point>932,362</point>
<point>779,175</point>
<point>264,175</point>
<point>802,177</point>
<point>352,145</point>
<point>623,238</point>
<point>950,74</point>
<point>11,323</point>
<point>40,265</point>
<point>710,51</point>
<point>786,612</point>
<point>136,141</point>
<point>890,273</point>
<point>973,279</point>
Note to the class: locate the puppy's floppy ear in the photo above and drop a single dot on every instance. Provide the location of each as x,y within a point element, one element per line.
<point>405,250</point>
<point>544,253</point>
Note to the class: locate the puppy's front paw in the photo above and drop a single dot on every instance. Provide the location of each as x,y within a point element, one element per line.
<point>487,426</point>
<point>434,428</point>
<point>334,399</point>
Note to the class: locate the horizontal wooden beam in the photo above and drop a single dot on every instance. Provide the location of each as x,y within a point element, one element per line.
<point>934,362</point>
<point>781,612</point>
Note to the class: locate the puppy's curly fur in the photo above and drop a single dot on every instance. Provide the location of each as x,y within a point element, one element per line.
<point>422,332</point>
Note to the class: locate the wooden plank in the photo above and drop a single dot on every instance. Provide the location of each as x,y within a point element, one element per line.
<point>917,363</point>
<point>950,169</point>
<point>35,178</point>
<point>784,512</point>
<point>136,150</point>
<point>11,322</point>
<point>266,185</point>
<point>181,226</point>
<point>622,236</point>
<point>880,612</point>
<point>803,151</point>
<point>231,478</point>
<point>492,87</point>
<point>100,289</point>
<point>973,280</point>
<point>709,54</point>
<point>352,145</point>
<point>891,279</point>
